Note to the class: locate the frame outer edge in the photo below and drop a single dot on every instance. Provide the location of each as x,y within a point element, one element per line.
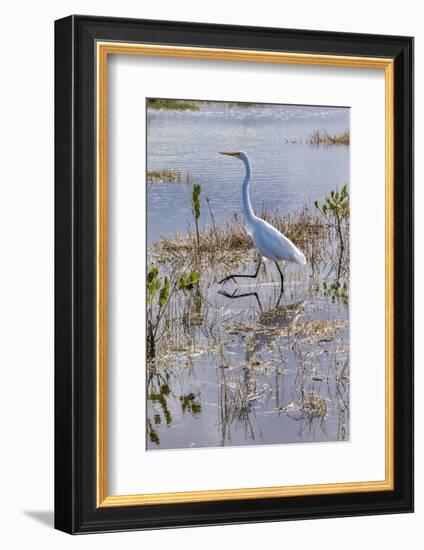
<point>71,516</point>
<point>406,252</point>
<point>64,448</point>
<point>412,216</point>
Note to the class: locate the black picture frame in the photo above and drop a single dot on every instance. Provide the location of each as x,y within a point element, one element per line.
<point>76,510</point>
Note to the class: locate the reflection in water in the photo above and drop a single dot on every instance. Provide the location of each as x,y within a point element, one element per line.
<point>273,369</point>
<point>242,363</point>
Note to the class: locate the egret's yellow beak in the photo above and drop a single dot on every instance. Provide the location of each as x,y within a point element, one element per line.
<point>228,153</point>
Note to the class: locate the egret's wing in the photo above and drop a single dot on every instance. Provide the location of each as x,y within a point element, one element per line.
<point>276,246</point>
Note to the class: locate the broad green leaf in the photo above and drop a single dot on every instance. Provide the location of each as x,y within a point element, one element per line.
<point>153,273</point>
<point>164,293</point>
<point>194,277</point>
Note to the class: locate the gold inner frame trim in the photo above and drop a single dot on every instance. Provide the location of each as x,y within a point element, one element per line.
<point>104,49</point>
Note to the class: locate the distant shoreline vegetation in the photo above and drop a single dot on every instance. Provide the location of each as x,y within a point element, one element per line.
<point>172,105</point>
<point>167,176</point>
<point>193,105</point>
<point>160,176</point>
<point>320,137</point>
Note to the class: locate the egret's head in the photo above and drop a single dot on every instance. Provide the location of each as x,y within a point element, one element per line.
<point>237,154</point>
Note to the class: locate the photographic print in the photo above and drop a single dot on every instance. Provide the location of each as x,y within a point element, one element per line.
<point>247,292</point>
<point>205,261</point>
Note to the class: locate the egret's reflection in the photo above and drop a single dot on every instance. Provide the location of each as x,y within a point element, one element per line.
<point>281,314</point>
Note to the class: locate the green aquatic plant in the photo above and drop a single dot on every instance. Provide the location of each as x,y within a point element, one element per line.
<point>190,403</point>
<point>187,281</point>
<point>158,393</point>
<point>335,210</point>
<point>212,216</point>
<point>195,207</point>
<point>159,293</point>
<point>336,291</point>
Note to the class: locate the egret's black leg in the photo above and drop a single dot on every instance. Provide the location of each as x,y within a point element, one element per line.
<point>233,277</point>
<point>281,276</point>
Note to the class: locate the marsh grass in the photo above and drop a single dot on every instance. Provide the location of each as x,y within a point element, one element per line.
<point>172,105</point>
<point>228,243</point>
<point>323,138</point>
<point>195,322</point>
<point>319,137</point>
<point>162,176</point>
<point>320,329</point>
<point>189,326</point>
<point>288,358</point>
<point>314,405</point>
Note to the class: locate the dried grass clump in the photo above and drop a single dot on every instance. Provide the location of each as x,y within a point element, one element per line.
<point>305,229</point>
<point>323,329</point>
<point>230,241</point>
<point>323,138</point>
<point>160,176</point>
<point>313,406</point>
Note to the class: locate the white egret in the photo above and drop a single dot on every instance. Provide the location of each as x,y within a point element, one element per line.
<point>271,244</point>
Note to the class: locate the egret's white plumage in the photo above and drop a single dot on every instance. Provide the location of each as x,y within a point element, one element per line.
<point>272,244</point>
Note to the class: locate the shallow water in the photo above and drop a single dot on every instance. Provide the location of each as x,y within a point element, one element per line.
<point>247,388</point>
<point>284,175</point>
<point>242,371</point>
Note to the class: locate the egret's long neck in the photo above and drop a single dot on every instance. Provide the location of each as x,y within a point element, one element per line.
<point>247,207</point>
